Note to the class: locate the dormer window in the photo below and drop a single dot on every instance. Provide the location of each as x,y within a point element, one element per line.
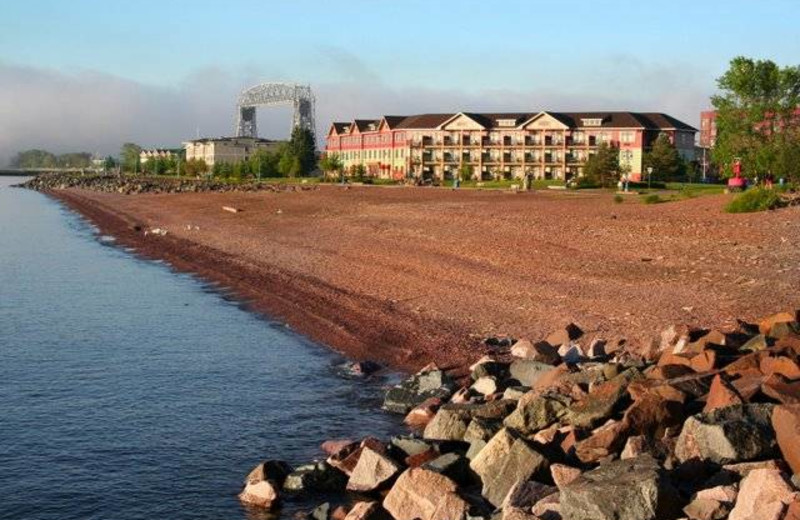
<point>594,121</point>
<point>507,122</point>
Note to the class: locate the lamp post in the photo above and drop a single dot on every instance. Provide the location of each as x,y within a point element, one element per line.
<point>649,176</point>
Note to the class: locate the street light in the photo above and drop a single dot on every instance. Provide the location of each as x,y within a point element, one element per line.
<point>649,176</point>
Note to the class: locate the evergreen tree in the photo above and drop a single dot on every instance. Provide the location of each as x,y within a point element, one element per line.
<point>603,168</point>
<point>665,160</point>
<point>304,147</point>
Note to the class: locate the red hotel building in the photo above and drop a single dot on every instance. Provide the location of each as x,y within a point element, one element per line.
<point>547,145</point>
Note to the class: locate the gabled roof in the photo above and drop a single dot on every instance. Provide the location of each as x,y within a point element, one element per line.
<point>393,121</point>
<point>659,120</point>
<point>341,128</point>
<point>424,121</point>
<point>363,125</point>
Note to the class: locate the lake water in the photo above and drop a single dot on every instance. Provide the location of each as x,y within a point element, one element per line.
<point>130,391</point>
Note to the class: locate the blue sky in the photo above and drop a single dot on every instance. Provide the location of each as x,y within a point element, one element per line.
<point>365,58</point>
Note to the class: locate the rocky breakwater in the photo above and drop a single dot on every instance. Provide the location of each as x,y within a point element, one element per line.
<point>703,425</point>
<point>134,184</point>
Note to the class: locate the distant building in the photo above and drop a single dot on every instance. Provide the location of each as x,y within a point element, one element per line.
<point>708,128</point>
<point>546,145</point>
<point>163,153</point>
<point>227,149</point>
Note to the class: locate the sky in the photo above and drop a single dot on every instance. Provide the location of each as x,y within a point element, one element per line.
<point>88,75</point>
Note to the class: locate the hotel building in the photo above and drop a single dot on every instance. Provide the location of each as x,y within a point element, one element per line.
<point>547,145</point>
<point>227,149</point>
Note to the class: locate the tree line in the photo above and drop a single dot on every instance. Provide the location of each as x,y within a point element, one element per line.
<point>37,158</point>
<point>758,119</point>
<point>294,158</point>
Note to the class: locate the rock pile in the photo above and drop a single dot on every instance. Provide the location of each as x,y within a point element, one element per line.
<point>704,425</point>
<point>129,185</point>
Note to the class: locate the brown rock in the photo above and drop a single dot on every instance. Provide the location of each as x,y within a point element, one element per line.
<point>367,511</point>
<point>541,351</point>
<point>724,493</point>
<point>526,493</point>
<point>564,336</point>
<point>781,390</point>
<point>744,468</point>
<point>780,365</point>
<point>424,495</point>
<point>664,372</point>
<point>604,441</point>
<point>263,484</point>
<point>346,458</point>
<point>638,389</point>
<point>748,364</point>
<point>601,401</point>
<point>706,361</point>
<point>420,416</point>
<point>786,422</point>
<point>563,474</point>
<point>651,415</point>
<point>765,325</point>
<point>670,358</point>
<point>747,386</point>
<point>792,511</point>
<point>761,493</point>
<point>333,446</point>
<point>634,446</point>
<point>706,509</point>
<point>721,394</point>
<point>418,459</point>
<point>548,508</point>
<point>374,469</point>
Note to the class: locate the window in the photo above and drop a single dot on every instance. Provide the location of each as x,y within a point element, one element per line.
<point>627,137</point>
<point>506,122</point>
<point>592,121</point>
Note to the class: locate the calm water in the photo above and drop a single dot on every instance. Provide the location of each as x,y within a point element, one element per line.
<point>128,391</point>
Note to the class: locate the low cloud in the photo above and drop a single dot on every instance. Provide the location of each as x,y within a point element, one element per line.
<point>96,112</point>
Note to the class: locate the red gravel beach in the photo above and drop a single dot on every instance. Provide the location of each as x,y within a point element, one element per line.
<point>407,276</point>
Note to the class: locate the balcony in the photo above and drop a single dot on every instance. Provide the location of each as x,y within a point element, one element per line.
<point>448,141</point>
<point>427,141</point>
<point>507,157</point>
<point>507,141</point>
<point>592,141</point>
<point>448,157</point>
<point>529,157</point>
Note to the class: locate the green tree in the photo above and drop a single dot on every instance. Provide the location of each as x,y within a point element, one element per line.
<point>331,164</point>
<point>665,160</point>
<point>195,167</point>
<point>358,171</point>
<point>109,163</point>
<point>603,168</point>
<point>34,159</point>
<point>304,147</point>
<point>290,165</point>
<point>129,157</point>
<point>757,121</point>
<point>465,171</point>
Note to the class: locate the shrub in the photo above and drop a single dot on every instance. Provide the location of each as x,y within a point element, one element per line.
<point>653,198</point>
<point>755,199</point>
<point>618,198</point>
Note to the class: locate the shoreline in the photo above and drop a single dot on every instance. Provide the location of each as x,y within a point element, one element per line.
<point>348,324</point>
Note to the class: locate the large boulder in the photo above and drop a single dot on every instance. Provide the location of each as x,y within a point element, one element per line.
<point>763,493</point>
<point>373,471</point>
<point>425,384</point>
<point>505,460</point>
<point>522,497</point>
<point>736,433</point>
<point>421,494</point>
<point>262,486</point>
<point>535,412</point>
<point>450,423</point>
<point>528,371</point>
<point>632,489</point>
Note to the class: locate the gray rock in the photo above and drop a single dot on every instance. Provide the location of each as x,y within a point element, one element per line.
<point>481,429</point>
<point>726,435</point>
<point>450,423</point>
<point>410,445</point>
<point>451,465</point>
<point>316,477</point>
<point>528,371</point>
<point>632,489</point>
<point>534,413</point>
<point>503,462</point>
<point>494,369</point>
<point>416,389</point>
<point>514,393</point>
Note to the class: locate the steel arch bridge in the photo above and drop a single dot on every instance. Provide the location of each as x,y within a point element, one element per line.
<point>275,94</point>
